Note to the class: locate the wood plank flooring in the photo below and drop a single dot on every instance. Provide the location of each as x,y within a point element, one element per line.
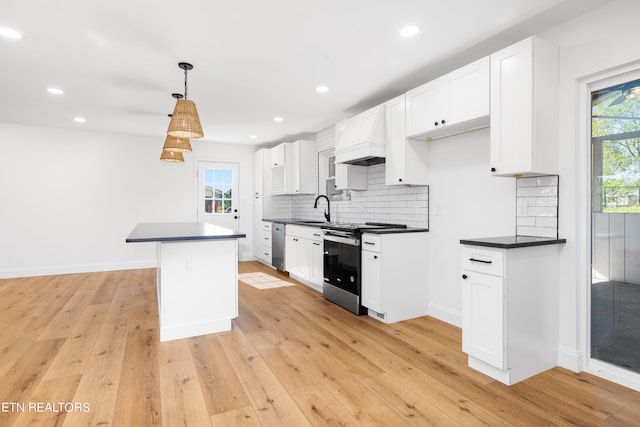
<point>83,349</point>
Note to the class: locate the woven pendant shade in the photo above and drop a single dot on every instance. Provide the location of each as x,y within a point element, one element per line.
<point>177,145</point>
<point>171,156</point>
<point>185,122</point>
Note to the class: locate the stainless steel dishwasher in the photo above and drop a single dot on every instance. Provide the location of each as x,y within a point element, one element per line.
<point>277,248</point>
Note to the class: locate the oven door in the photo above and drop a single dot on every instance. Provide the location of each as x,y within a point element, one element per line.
<point>342,261</point>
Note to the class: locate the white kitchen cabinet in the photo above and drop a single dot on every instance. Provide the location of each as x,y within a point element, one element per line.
<point>454,103</point>
<point>261,170</point>
<point>350,177</point>
<point>304,254</point>
<point>510,310</point>
<point>278,155</point>
<point>406,159</point>
<point>394,274</point>
<point>524,109</point>
<point>296,173</point>
<point>262,242</point>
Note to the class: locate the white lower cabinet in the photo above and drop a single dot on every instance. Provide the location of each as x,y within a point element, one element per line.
<point>262,243</point>
<point>394,284</point>
<point>304,254</point>
<point>510,310</point>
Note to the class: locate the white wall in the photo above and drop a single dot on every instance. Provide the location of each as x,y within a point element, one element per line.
<point>599,43</point>
<point>465,201</point>
<point>68,198</point>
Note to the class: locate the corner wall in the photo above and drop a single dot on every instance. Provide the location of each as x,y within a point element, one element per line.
<point>69,198</point>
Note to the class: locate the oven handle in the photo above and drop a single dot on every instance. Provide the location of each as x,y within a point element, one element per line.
<point>345,240</point>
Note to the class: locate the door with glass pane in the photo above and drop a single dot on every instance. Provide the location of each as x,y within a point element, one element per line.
<point>217,202</point>
<point>615,225</point>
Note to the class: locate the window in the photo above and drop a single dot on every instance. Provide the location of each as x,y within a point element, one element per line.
<point>218,184</point>
<point>615,131</point>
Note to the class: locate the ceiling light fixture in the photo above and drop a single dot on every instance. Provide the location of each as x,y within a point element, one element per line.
<point>409,31</point>
<point>79,119</point>
<point>55,91</point>
<point>253,136</point>
<point>185,122</point>
<point>10,34</point>
<point>322,89</point>
<point>278,119</point>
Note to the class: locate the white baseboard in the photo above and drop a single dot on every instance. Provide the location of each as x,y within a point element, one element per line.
<point>445,314</point>
<point>570,359</point>
<point>73,269</point>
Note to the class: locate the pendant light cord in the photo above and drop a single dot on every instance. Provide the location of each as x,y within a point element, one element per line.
<point>185,83</point>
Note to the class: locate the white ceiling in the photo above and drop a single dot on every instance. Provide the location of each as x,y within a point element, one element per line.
<point>117,60</point>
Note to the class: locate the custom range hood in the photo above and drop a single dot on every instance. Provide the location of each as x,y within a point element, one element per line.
<point>361,139</point>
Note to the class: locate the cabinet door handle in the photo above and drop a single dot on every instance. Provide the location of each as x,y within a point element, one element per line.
<point>493,169</point>
<point>317,235</point>
<point>464,276</point>
<point>436,123</point>
<point>369,243</point>
<point>479,260</point>
<point>316,243</point>
<point>399,179</point>
<point>443,122</point>
<point>375,257</point>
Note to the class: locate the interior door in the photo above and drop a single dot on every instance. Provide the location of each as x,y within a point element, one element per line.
<point>217,192</point>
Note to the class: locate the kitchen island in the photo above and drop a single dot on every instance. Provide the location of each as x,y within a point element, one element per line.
<point>197,277</point>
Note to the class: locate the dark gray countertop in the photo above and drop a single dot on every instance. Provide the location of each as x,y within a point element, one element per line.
<point>317,223</point>
<point>511,242</point>
<point>395,230</point>
<point>177,231</point>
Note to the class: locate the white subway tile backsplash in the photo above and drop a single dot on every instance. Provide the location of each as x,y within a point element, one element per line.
<point>379,203</point>
<point>540,196</point>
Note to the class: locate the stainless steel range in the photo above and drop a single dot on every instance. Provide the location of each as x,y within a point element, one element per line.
<point>342,263</point>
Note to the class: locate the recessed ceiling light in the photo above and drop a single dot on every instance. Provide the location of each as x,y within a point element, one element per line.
<point>322,89</point>
<point>55,91</point>
<point>278,119</point>
<point>10,34</point>
<point>409,31</point>
<point>79,119</point>
<point>253,136</point>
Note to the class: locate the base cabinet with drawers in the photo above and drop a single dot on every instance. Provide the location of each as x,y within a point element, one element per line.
<point>263,243</point>
<point>394,284</point>
<point>510,310</point>
<point>304,254</point>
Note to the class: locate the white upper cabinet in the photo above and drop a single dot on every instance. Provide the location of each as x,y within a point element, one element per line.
<point>454,103</point>
<point>524,109</point>
<point>350,177</point>
<point>293,168</point>
<point>261,159</point>
<point>278,155</point>
<point>406,159</point>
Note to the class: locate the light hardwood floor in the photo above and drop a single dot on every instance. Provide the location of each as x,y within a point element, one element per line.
<point>291,359</point>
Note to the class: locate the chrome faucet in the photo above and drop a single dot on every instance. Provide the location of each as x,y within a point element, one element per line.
<point>327,212</point>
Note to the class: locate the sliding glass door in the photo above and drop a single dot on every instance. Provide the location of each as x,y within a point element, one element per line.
<point>615,206</point>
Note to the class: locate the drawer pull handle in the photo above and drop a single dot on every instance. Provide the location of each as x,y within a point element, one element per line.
<point>369,243</point>
<point>480,260</point>
<point>317,244</point>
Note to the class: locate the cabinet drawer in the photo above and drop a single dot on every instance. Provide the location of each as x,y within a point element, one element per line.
<point>266,238</point>
<point>266,253</point>
<point>311,233</point>
<point>266,226</point>
<point>371,243</point>
<point>483,260</point>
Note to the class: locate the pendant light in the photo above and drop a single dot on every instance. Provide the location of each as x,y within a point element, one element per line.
<point>185,122</point>
<point>171,156</point>
<point>175,143</point>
